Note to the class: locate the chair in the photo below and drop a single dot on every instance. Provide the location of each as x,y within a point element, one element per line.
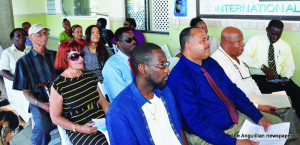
<point>166,51</point>
<point>101,86</point>
<point>63,136</point>
<point>116,49</point>
<point>54,131</point>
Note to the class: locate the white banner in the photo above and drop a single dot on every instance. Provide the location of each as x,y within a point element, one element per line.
<point>249,7</point>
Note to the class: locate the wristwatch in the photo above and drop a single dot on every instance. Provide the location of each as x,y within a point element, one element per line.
<point>36,103</point>
<point>262,66</point>
<point>74,127</point>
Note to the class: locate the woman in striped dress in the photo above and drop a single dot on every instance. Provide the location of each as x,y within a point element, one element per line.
<point>75,98</point>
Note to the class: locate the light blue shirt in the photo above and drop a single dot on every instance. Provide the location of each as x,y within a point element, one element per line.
<point>117,74</point>
<point>28,42</point>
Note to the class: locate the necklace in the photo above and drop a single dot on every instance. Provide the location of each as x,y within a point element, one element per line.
<point>153,114</point>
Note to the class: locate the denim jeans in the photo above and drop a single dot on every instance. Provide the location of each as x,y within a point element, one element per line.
<point>42,126</point>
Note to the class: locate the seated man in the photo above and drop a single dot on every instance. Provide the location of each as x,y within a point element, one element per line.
<point>269,58</point>
<point>116,71</point>
<point>34,72</point>
<point>227,56</point>
<point>145,112</point>
<point>210,104</point>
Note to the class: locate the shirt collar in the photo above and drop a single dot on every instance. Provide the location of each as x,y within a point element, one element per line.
<point>193,66</point>
<point>122,55</point>
<point>232,60</point>
<point>138,96</point>
<point>14,48</point>
<point>35,53</point>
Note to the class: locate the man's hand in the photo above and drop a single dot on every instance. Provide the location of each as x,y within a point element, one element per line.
<point>282,83</point>
<point>246,142</point>
<point>268,72</point>
<point>267,109</point>
<point>265,123</point>
<point>44,106</point>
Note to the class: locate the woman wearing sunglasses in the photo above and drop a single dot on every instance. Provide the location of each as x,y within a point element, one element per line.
<point>75,98</point>
<point>76,34</point>
<point>96,54</point>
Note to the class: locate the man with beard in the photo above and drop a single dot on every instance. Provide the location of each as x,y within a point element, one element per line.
<point>212,107</point>
<point>145,111</point>
<point>116,71</point>
<point>33,74</point>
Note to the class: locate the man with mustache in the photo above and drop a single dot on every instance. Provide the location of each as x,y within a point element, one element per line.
<point>116,71</point>
<point>270,58</point>
<point>145,111</point>
<point>34,73</point>
<point>212,107</point>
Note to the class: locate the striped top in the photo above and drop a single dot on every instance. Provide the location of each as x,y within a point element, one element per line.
<point>80,97</point>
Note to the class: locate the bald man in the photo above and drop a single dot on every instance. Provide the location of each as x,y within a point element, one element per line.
<point>232,46</point>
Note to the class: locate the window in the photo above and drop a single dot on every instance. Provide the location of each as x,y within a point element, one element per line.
<point>51,7</point>
<point>150,15</point>
<point>84,7</point>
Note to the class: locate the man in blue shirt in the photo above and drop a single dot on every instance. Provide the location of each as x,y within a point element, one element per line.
<point>116,71</point>
<point>204,114</point>
<point>145,112</point>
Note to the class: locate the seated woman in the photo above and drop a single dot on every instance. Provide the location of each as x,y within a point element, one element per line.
<point>7,65</point>
<point>75,98</point>
<point>96,54</point>
<point>76,34</point>
<point>215,43</point>
<point>65,35</point>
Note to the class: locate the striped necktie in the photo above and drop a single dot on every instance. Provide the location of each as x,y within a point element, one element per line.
<point>271,61</point>
<point>222,96</point>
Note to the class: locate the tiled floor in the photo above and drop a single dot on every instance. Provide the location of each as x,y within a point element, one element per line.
<point>24,137</point>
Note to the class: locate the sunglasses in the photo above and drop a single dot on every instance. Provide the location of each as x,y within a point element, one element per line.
<point>129,40</point>
<point>75,56</point>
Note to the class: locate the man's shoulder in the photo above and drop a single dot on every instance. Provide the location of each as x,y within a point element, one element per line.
<point>283,43</point>
<point>123,99</point>
<point>217,54</point>
<point>52,52</point>
<point>258,38</point>
<point>113,62</point>
<point>179,74</point>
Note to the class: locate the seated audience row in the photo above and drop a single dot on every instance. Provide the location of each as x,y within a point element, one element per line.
<point>148,106</point>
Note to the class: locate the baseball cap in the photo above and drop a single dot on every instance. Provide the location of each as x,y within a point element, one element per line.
<point>36,28</point>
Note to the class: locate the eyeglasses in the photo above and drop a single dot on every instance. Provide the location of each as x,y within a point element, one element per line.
<point>75,56</point>
<point>129,40</point>
<point>241,73</point>
<point>126,24</point>
<point>163,67</point>
<point>40,34</point>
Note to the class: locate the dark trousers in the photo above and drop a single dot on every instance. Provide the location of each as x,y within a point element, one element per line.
<point>42,126</point>
<point>292,90</point>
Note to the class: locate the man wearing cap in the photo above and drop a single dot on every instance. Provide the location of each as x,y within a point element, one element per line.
<point>33,75</point>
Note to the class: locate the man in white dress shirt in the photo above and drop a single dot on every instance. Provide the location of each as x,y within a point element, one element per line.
<point>228,57</point>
